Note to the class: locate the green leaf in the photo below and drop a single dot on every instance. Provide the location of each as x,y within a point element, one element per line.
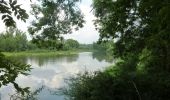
<point>14,2</point>
<point>3,17</point>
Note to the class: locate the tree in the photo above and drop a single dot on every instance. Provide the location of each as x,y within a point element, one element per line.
<point>58,17</point>
<point>140,30</point>
<point>71,44</point>
<point>13,40</point>
<point>136,25</point>
<point>51,24</point>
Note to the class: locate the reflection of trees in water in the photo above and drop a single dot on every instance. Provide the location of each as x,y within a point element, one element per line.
<point>19,59</point>
<point>102,56</point>
<point>42,60</point>
<point>72,58</point>
<point>9,71</point>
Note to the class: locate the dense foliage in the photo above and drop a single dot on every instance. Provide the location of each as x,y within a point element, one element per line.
<point>106,47</point>
<point>13,40</point>
<point>71,44</point>
<point>140,30</point>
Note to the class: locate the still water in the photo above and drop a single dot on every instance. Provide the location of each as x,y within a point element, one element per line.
<point>51,72</point>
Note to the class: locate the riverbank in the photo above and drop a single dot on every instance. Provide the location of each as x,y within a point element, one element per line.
<point>41,53</point>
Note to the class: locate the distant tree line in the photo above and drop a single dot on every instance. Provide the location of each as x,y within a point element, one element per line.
<point>13,40</point>
<point>16,40</point>
<point>104,46</point>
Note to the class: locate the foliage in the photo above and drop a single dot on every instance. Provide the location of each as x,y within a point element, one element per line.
<point>107,47</point>
<point>112,85</point>
<point>86,47</point>
<point>13,40</point>
<point>40,53</point>
<point>49,44</point>
<point>135,25</point>
<point>71,44</point>
<point>31,46</point>
<point>10,8</point>
<point>81,88</point>
<point>58,17</point>
<point>10,70</point>
<point>140,31</point>
<point>104,51</point>
<point>28,96</point>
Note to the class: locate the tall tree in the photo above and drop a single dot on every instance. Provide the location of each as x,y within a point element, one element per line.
<point>57,17</point>
<point>136,26</point>
<point>140,30</point>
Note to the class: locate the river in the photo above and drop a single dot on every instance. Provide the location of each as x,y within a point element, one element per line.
<point>51,72</point>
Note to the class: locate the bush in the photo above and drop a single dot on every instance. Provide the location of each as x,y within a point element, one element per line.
<point>106,86</point>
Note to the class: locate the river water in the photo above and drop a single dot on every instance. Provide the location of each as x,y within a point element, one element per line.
<point>51,72</point>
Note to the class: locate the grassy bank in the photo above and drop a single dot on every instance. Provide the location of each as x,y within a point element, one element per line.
<point>41,53</point>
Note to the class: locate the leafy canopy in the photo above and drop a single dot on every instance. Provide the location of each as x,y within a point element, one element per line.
<point>136,26</point>
<point>53,18</point>
<point>140,30</point>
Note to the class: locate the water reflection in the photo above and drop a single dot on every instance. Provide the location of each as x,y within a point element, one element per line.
<point>102,56</point>
<point>51,72</point>
<point>41,60</point>
<point>9,71</point>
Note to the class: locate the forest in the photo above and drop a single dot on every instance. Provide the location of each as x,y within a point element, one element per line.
<point>14,40</point>
<point>136,33</point>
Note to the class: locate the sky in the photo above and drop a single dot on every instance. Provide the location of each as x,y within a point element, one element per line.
<point>85,35</point>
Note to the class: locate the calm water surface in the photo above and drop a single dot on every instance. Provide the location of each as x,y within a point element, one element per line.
<point>51,72</point>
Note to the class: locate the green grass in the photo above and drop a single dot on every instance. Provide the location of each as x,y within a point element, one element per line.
<point>40,53</point>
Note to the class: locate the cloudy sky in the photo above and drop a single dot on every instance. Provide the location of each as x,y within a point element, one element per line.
<point>86,35</point>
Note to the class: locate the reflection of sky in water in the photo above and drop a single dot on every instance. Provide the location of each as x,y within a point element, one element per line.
<point>51,71</point>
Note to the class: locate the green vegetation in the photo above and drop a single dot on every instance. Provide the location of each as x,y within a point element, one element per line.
<point>71,44</point>
<point>87,47</point>
<point>140,31</point>
<point>106,47</point>
<point>135,32</point>
<point>15,40</point>
<point>9,69</point>
<point>40,53</point>
<point>49,28</point>
<point>51,25</point>
<point>10,8</point>
<point>113,84</point>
